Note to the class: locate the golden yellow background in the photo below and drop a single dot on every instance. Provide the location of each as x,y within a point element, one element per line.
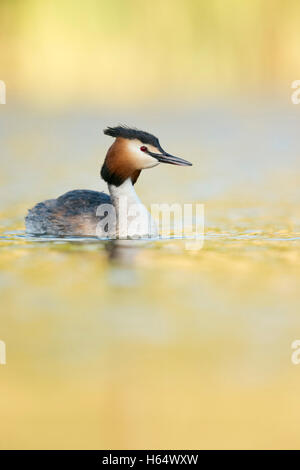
<point>129,51</point>
<point>168,348</point>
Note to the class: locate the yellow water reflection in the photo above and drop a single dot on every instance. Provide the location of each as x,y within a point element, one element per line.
<point>174,350</point>
<point>163,347</point>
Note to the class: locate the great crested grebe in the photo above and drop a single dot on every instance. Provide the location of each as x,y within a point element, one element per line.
<point>87,213</point>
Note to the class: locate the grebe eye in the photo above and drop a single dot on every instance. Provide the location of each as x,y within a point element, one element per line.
<point>143,148</point>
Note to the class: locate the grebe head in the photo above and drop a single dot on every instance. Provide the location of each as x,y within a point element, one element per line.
<point>133,151</point>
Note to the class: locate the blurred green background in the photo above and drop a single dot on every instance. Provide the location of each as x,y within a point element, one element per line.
<point>133,51</point>
<point>159,347</point>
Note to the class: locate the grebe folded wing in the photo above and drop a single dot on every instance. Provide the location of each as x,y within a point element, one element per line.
<point>73,213</point>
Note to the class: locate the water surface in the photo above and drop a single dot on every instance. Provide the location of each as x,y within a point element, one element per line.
<point>151,345</point>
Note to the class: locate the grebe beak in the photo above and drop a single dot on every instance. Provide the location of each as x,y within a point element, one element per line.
<point>167,158</point>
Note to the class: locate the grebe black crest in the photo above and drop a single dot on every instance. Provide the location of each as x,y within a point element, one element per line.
<point>88,213</point>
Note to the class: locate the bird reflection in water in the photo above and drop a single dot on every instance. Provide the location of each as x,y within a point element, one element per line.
<point>122,256</point>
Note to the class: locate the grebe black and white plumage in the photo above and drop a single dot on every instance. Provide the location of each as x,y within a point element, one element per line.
<point>83,212</point>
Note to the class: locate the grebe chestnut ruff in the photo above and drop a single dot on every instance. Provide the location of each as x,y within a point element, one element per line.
<point>92,213</point>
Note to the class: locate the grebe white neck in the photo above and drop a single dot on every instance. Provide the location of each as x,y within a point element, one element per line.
<point>133,219</point>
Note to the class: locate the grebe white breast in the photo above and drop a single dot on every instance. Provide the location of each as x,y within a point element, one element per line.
<point>87,213</point>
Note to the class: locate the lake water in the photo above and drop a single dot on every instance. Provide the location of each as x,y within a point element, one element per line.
<point>151,345</point>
